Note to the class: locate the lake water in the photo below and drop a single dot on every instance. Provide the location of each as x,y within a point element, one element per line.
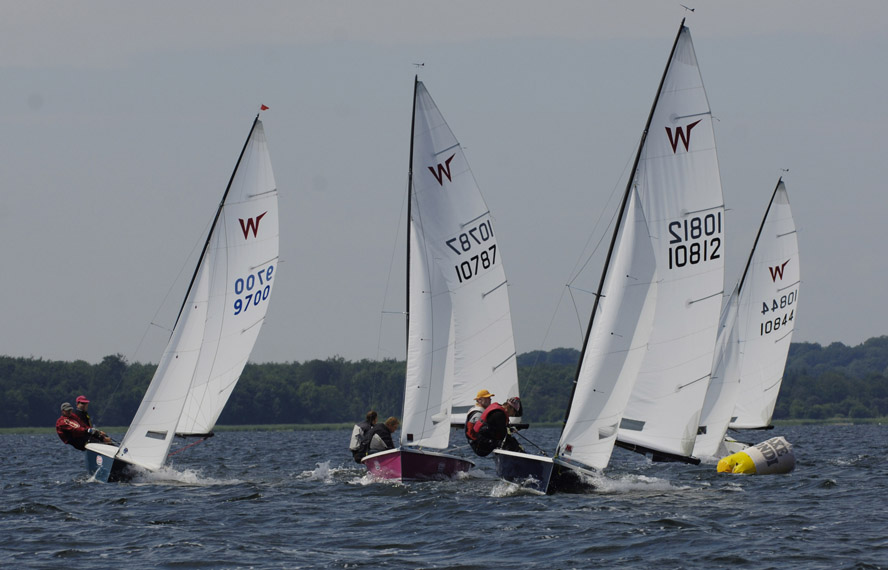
<point>295,499</point>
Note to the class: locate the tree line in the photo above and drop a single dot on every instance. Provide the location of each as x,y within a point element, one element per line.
<point>820,382</point>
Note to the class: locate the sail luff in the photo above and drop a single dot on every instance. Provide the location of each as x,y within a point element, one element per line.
<point>409,233</point>
<point>758,234</point>
<point>206,246</point>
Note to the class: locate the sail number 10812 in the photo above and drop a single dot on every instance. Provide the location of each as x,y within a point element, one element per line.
<point>252,289</point>
<point>695,240</point>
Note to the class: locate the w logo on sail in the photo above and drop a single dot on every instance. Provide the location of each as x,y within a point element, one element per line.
<point>778,271</point>
<point>251,225</point>
<point>443,170</point>
<point>683,136</point>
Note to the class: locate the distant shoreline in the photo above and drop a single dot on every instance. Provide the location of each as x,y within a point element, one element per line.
<point>338,426</point>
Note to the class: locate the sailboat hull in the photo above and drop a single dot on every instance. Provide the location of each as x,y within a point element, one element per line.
<point>103,466</point>
<point>408,464</point>
<point>531,472</point>
<point>539,474</point>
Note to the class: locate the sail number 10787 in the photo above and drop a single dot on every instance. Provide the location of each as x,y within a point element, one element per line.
<point>480,249</point>
<point>695,240</point>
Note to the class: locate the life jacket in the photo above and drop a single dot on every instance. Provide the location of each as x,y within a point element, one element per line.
<point>487,410</point>
<point>473,417</point>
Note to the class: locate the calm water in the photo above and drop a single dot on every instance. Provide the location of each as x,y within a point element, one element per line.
<point>295,500</point>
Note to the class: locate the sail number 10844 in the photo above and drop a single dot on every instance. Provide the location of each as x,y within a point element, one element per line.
<point>785,306</point>
<point>252,289</point>
<point>695,240</point>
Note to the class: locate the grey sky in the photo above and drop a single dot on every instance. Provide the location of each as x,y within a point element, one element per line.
<point>121,122</point>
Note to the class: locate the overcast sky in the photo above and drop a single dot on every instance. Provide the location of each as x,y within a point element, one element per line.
<point>121,123</point>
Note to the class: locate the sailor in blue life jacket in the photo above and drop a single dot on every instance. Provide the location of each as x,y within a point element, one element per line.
<point>492,429</point>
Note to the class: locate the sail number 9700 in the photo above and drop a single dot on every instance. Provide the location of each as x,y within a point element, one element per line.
<point>252,289</point>
<point>695,240</point>
<point>476,239</point>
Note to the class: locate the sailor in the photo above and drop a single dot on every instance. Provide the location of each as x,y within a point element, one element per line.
<point>81,411</point>
<point>359,432</point>
<point>492,430</point>
<point>73,431</point>
<point>482,400</point>
<point>379,438</point>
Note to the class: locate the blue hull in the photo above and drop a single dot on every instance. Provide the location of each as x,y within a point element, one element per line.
<point>107,469</point>
<point>532,472</point>
<point>539,473</point>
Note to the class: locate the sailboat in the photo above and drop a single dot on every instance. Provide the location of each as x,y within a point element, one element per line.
<point>459,325</point>
<point>756,331</point>
<point>217,325</point>
<point>660,288</point>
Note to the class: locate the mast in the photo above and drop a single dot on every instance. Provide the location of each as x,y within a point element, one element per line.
<point>215,220</point>
<point>410,205</point>
<point>758,235</point>
<point>619,222</point>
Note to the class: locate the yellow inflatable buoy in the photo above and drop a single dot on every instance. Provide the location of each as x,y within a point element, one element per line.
<point>766,458</point>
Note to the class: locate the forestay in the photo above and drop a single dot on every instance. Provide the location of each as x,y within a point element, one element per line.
<point>220,318</point>
<point>459,327</point>
<point>678,182</point>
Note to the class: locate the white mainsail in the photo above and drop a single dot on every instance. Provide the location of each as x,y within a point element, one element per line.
<point>677,180</point>
<point>768,308</point>
<point>221,317</point>
<point>615,344</point>
<point>460,336</point>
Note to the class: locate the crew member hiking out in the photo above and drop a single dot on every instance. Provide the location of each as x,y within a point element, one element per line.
<point>359,432</point>
<point>482,400</point>
<point>492,430</point>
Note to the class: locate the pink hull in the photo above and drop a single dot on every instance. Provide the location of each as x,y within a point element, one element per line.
<point>415,465</point>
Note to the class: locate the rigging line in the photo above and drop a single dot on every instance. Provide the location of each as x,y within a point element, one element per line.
<point>575,272</point>
<point>166,297</point>
<point>388,280</point>
<point>577,313</point>
<point>524,437</point>
<point>180,450</point>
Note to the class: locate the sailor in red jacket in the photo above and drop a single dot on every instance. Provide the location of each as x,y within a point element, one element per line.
<point>73,431</point>
<point>492,430</point>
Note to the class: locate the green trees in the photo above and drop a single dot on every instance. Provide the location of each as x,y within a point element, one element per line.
<point>820,382</point>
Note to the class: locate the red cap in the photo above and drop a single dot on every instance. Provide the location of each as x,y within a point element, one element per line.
<point>82,400</point>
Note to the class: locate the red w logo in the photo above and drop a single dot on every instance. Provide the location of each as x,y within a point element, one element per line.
<point>443,170</point>
<point>683,136</point>
<point>251,225</point>
<point>778,271</point>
